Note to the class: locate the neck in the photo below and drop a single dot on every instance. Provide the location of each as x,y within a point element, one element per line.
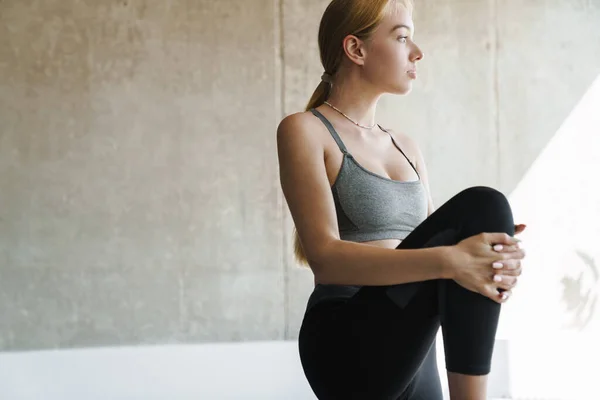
<point>357,100</point>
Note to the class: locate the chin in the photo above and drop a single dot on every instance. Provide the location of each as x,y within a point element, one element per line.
<point>402,89</point>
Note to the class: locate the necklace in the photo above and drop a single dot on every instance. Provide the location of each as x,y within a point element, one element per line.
<point>350,119</point>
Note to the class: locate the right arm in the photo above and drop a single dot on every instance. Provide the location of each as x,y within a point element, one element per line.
<point>308,194</point>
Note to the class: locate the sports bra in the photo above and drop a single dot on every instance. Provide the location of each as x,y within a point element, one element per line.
<point>370,206</point>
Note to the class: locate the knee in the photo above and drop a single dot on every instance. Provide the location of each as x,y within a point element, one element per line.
<point>488,209</point>
<point>478,196</point>
<point>481,191</point>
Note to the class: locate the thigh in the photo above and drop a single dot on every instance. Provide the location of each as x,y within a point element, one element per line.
<point>381,346</point>
<point>426,384</point>
<point>457,214</point>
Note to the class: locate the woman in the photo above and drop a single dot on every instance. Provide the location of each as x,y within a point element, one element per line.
<point>389,270</point>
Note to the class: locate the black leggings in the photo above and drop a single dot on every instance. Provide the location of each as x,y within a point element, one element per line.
<point>380,343</point>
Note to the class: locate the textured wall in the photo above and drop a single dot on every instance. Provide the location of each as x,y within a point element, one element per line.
<point>139,197</point>
<point>139,192</point>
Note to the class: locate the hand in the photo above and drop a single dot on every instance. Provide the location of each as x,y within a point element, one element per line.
<point>473,264</point>
<point>511,268</point>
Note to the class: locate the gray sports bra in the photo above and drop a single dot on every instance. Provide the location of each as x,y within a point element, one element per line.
<point>370,207</point>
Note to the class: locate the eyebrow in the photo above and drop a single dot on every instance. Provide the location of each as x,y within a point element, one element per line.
<point>400,26</point>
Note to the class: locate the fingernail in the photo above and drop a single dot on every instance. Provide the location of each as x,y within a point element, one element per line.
<point>504,296</point>
<point>497,265</point>
<point>498,247</point>
<point>519,244</point>
<point>497,278</point>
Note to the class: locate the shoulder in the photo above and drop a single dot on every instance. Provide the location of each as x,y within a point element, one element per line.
<point>299,130</point>
<point>300,123</point>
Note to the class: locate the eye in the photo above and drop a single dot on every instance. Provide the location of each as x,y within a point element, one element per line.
<point>402,39</point>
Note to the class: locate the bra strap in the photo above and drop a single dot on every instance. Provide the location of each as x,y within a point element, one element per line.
<point>331,129</point>
<point>398,147</point>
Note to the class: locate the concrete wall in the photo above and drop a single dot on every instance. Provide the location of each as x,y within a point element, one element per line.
<point>139,195</point>
<point>140,198</point>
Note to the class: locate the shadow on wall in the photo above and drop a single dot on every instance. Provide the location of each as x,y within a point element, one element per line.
<point>580,294</point>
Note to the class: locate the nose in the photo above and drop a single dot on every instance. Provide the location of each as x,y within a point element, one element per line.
<point>417,54</point>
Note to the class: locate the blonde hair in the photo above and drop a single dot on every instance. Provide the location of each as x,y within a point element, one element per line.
<point>342,18</point>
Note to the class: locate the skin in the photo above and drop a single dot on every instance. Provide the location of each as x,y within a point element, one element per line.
<point>310,161</point>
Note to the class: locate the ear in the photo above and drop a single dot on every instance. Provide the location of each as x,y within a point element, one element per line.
<point>355,49</point>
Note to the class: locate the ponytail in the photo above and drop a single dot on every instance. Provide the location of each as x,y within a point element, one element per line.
<point>321,93</point>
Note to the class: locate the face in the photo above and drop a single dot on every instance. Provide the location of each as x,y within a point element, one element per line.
<point>391,55</point>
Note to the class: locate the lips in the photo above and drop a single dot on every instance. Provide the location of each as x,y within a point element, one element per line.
<point>412,73</point>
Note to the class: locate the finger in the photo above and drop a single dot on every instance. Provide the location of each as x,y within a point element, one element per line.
<point>497,296</point>
<point>509,265</point>
<point>504,296</point>
<point>500,238</point>
<point>505,282</point>
<point>515,255</point>
<point>501,242</point>
<point>500,248</point>
<point>492,293</point>
<point>503,248</point>
<point>510,272</point>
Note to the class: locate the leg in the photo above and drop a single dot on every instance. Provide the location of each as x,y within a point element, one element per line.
<point>367,347</point>
<point>426,383</point>
<point>376,344</point>
<point>469,320</point>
